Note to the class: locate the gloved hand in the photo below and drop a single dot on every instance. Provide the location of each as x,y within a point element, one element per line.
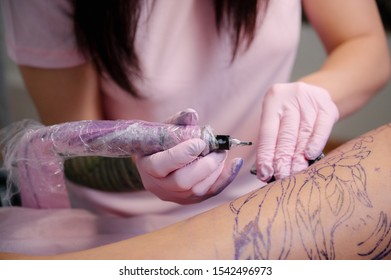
<point>296,122</point>
<point>181,174</point>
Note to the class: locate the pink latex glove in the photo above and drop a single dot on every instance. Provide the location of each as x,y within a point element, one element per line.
<point>296,122</point>
<point>181,174</point>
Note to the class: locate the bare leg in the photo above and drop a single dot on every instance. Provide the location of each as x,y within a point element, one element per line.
<point>336,209</point>
<point>339,208</point>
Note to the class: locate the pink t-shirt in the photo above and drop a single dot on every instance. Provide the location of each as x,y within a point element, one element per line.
<point>186,64</point>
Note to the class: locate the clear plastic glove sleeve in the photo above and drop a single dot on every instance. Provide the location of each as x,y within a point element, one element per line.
<point>34,154</point>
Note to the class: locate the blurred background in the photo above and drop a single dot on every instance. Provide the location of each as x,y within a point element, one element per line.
<point>15,104</point>
<point>311,55</point>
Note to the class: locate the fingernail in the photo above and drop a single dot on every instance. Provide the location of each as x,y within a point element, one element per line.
<point>265,173</point>
<point>190,117</point>
<point>299,163</point>
<point>235,168</point>
<point>282,167</point>
<point>310,153</point>
<point>237,165</point>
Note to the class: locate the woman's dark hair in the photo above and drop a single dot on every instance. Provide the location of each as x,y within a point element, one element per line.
<point>106,30</point>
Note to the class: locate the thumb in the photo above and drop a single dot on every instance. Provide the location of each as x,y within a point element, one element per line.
<point>228,174</point>
<point>162,163</point>
<point>186,117</point>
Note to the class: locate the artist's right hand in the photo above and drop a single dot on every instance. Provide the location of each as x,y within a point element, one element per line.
<point>181,174</point>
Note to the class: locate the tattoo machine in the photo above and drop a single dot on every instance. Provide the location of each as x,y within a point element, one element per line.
<point>34,154</point>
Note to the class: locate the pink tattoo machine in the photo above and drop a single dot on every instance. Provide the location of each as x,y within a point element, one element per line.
<point>126,138</point>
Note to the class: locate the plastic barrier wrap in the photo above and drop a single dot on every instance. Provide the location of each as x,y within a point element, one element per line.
<point>34,154</point>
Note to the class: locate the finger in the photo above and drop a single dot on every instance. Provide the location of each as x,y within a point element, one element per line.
<point>218,180</point>
<point>328,115</point>
<point>189,176</point>
<point>202,187</point>
<point>180,197</point>
<point>186,117</point>
<point>306,126</point>
<point>212,185</point>
<point>228,174</point>
<point>159,165</point>
<point>267,139</point>
<point>319,137</point>
<point>183,197</point>
<point>286,142</point>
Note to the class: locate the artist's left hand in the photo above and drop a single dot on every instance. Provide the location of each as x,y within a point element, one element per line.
<point>296,122</point>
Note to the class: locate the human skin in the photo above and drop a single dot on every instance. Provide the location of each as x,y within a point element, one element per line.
<point>338,208</point>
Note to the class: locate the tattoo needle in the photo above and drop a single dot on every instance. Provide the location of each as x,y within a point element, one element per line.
<point>226,142</point>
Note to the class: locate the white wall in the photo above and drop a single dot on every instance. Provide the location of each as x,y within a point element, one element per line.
<point>376,113</point>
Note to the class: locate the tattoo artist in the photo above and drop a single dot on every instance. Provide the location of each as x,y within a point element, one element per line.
<point>229,60</point>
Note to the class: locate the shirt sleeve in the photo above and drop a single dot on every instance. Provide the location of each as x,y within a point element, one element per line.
<point>40,33</point>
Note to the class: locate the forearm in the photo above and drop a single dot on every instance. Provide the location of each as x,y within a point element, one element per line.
<point>65,94</point>
<point>353,73</point>
<point>358,62</point>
